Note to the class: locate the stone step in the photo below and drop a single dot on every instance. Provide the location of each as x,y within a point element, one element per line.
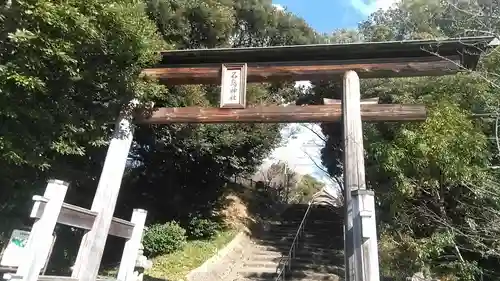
<point>313,244</point>
<point>308,228</point>
<point>265,259</point>
<point>319,256</point>
<point>258,270</point>
<point>315,249</point>
<point>301,261</point>
<point>311,217</point>
<point>298,275</point>
<point>282,248</point>
<point>336,230</point>
<point>287,279</point>
<point>264,251</point>
<point>310,243</point>
<point>263,263</point>
<point>304,237</point>
<point>315,226</point>
<point>313,275</point>
<point>306,256</point>
<point>328,267</point>
<point>302,255</point>
<point>316,222</point>
<point>310,221</point>
<point>257,251</point>
<point>314,214</point>
<point>266,256</point>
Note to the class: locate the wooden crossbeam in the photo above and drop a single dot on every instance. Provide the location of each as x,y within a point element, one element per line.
<point>57,278</point>
<point>79,217</point>
<point>308,70</point>
<point>363,101</point>
<point>282,114</point>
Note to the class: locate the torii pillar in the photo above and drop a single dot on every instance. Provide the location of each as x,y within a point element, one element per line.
<point>360,235</point>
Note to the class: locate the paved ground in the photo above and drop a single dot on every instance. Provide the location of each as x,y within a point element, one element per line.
<point>226,267</point>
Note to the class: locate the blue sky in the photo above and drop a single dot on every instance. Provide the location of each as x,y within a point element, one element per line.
<point>328,15</point>
<point>302,153</point>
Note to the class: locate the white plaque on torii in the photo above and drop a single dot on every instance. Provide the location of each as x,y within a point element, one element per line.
<point>233,86</point>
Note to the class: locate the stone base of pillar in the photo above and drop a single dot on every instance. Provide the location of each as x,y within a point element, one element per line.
<point>365,235</point>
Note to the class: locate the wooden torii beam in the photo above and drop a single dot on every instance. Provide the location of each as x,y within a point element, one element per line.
<point>323,61</point>
<point>309,70</point>
<point>282,114</point>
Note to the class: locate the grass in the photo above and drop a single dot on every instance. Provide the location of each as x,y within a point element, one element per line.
<point>176,265</point>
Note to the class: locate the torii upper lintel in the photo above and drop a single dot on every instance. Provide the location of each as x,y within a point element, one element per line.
<point>325,61</point>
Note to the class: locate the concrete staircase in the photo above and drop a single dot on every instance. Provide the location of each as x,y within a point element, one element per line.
<point>320,252</point>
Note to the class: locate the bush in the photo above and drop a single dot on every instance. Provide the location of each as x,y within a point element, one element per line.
<point>164,239</point>
<point>199,228</point>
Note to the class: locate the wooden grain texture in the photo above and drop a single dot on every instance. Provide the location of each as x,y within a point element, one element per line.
<point>58,278</point>
<point>131,250</point>
<point>92,246</point>
<point>363,101</point>
<point>361,265</point>
<point>40,239</point>
<point>469,48</point>
<point>309,70</point>
<point>46,278</point>
<point>282,114</point>
<point>79,217</point>
<point>353,171</point>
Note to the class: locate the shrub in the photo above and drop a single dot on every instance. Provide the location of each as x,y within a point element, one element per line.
<point>164,238</point>
<point>199,228</point>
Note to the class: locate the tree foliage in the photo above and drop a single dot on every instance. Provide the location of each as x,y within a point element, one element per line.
<point>68,67</point>
<point>430,177</point>
<point>187,165</point>
<point>281,178</point>
<point>306,188</point>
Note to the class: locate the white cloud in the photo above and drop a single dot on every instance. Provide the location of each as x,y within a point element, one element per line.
<point>367,7</point>
<point>279,7</point>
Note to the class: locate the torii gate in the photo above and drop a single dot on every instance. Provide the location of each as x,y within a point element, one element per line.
<point>234,67</point>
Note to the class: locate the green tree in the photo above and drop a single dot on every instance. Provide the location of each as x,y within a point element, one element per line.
<point>182,168</point>
<point>432,179</point>
<point>66,68</point>
<point>281,178</point>
<point>306,187</point>
<point>73,65</point>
